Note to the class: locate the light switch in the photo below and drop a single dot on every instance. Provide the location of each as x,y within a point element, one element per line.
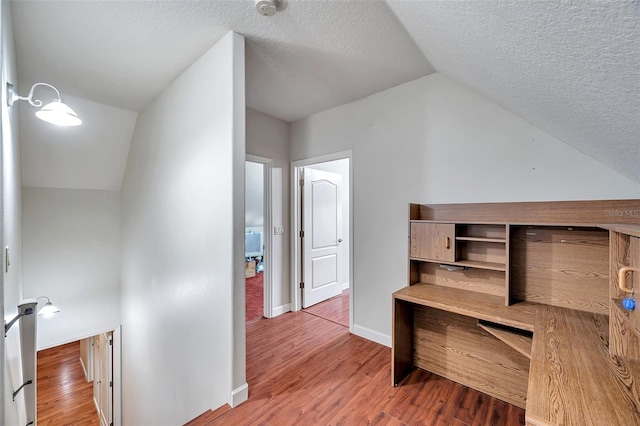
<point>278,230</point>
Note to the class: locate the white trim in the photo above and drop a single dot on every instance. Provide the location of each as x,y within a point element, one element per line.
<point>345,286</point>
<point>85,371</point>
<point>295,226</point>
<point>372,335</point>
<point>117,376</point>
<point>279,310</point>
<point>267,232</point>
<point>239,395</point>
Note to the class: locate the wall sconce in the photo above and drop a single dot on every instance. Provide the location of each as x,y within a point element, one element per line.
<point>55,112</point>
<point>28,306</point>
<point>48,309</point>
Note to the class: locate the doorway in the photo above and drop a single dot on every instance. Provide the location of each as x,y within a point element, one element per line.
<point>322,242</point>
<point>257,256</point>
<point>80,382</point>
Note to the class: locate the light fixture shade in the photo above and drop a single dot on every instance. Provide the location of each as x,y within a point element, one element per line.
<point>48,310</point>
<point>58,113</point>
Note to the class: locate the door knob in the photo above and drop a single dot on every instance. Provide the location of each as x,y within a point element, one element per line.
<point>339,240</point>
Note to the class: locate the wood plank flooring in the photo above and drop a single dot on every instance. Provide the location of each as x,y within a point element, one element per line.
<point>63,396</point>
<point>307,370</point>
<point>335,309</point>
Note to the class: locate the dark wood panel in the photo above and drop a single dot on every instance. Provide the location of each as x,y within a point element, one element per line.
<point>402,338</point>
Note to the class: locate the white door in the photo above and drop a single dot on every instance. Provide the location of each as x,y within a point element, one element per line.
<point>103,378</point>
<point>322,229</point>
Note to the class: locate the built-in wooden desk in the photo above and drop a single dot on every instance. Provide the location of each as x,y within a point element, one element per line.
<point>444,330</point>
<point>521,301</point>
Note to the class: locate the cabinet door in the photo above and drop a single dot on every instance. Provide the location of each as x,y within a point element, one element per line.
<point>433,241</point>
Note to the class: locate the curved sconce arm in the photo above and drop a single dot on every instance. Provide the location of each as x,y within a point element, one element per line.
<point>622,278</point>
<point>13,96</point>
<point>55,112</point>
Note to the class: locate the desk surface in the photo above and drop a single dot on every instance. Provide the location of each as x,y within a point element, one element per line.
<point>477,305</point>
<point>572,379</point>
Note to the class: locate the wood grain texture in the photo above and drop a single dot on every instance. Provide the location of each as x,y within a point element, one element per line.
<point>573,378</point>
<point>561,266</point>
<point>481,281</point>
<point>481,306</point>
<point>433,241</point>
<point>588,213</point>
<point>624,341</point>
<point>627,229</point>
<point>64,397</point>
<point>454,347</point>
<point>335,309</point>
<point>495,232</point>
<point>345,380</point>
<point>481,251</point>
<point>519,342</point>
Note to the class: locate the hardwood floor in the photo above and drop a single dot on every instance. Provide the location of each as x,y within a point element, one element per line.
<point>335,309</point>
<point>303,369</point>
<point>64,397</point>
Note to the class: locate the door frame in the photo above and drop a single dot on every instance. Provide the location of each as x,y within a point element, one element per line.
<point>296,247</point>
<point>267,257</point>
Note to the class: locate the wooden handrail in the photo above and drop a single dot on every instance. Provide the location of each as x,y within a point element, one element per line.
<point>622,278</point>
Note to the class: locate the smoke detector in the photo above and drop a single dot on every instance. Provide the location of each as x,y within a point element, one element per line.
<point>266,7</point>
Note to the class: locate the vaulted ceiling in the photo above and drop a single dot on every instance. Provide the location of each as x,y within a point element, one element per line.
<point>570,68</point>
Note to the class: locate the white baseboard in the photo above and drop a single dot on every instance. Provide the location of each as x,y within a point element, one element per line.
<point>345,285</point>
<point>239,395</point>
<point>279,310</point>
<point>372,335</point>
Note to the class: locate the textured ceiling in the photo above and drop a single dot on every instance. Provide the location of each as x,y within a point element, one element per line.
<point>570,68</point>
<point>311,56</point>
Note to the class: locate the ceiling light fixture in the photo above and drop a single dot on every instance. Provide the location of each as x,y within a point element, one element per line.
<point>266,7</point>
<point>55,112</point>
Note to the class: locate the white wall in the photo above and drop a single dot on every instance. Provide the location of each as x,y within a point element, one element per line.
<point>182,245</point>
<point>71,253</point>
<point>341,167</point>
<point>434,141</point>
<point>11,367</point>
<point>268,137</point>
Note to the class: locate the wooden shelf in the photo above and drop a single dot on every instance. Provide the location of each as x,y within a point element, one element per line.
<point>517,341</point>
<point>470,264</point>
<point>483,239</point>
<point>482,265</point>
<point>476,305</point>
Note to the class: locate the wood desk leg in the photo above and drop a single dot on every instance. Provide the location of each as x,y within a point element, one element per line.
<point>402,341</point>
